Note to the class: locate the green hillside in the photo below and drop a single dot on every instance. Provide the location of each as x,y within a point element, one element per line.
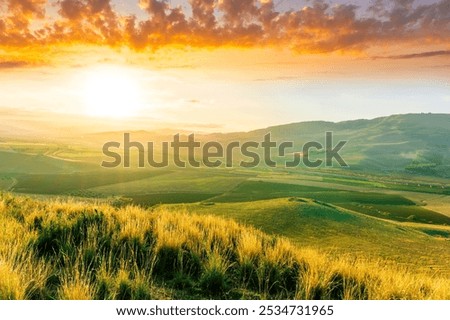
<point>16,162</point>
<point>416,143</point>
<point>339,231</point>
<point>382,205</point>
<point>76,250</point>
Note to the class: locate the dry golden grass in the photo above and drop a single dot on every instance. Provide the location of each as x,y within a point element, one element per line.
<point>73,250</point>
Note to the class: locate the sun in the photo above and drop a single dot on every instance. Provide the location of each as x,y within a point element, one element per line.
<point>111,92</point>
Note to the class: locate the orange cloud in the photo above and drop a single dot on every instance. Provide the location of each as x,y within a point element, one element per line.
<point>318,27</point>
<point>418,55</point>
<point>28,8</point>
<point>12,64</point>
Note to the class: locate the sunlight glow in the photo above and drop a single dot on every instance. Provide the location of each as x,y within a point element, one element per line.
<point>111,92</point>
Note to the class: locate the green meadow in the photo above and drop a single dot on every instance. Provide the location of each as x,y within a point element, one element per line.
<point>378,229</point>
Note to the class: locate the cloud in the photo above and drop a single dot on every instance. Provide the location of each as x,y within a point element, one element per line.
<point>72,9</point>
<point>86,21</point>
<point>203,14</point>
<point>317,27</point>
<point>13,64</point>
<point>440,66</point>
<point>417,55</point>
<point>79,9</point>
<point>27,7</point>
<point>16,18</point>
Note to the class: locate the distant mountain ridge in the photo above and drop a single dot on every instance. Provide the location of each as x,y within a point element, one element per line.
<point>418,143</point>
<point>415,143</point>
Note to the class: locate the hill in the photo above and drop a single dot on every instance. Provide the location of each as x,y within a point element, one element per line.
<point>75,250</point>
<point>415,143</point>
<point>338,231</point>
<point>407,143</point>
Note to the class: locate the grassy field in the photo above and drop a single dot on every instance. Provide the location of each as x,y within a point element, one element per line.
<point>6,182</point>
<point>399,212</point>
<point>259,190</point>
<point>148,200</point>
<point>76,250</point>
<point>149,187</point>
<point>179,181</point>
<point>425,187</point>
<point>17,163</point>
<point>335,230</point>
<point>66,183</point>
<point>387,206</point>
<point>434,201</point>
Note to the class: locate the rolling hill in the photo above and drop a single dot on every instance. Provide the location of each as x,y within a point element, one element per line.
<point>416,143</point>
<point>336,230</point>
<point>409,143</point>
<point>76,250</point>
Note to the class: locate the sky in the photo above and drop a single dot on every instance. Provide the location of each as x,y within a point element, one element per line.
<point>224,65</point>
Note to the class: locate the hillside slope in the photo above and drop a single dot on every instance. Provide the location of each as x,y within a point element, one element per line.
<point>74,250</point>
<point>412,143</point>
<point>408,143</point>
<point>336,230</point>
<point>417,143</point>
